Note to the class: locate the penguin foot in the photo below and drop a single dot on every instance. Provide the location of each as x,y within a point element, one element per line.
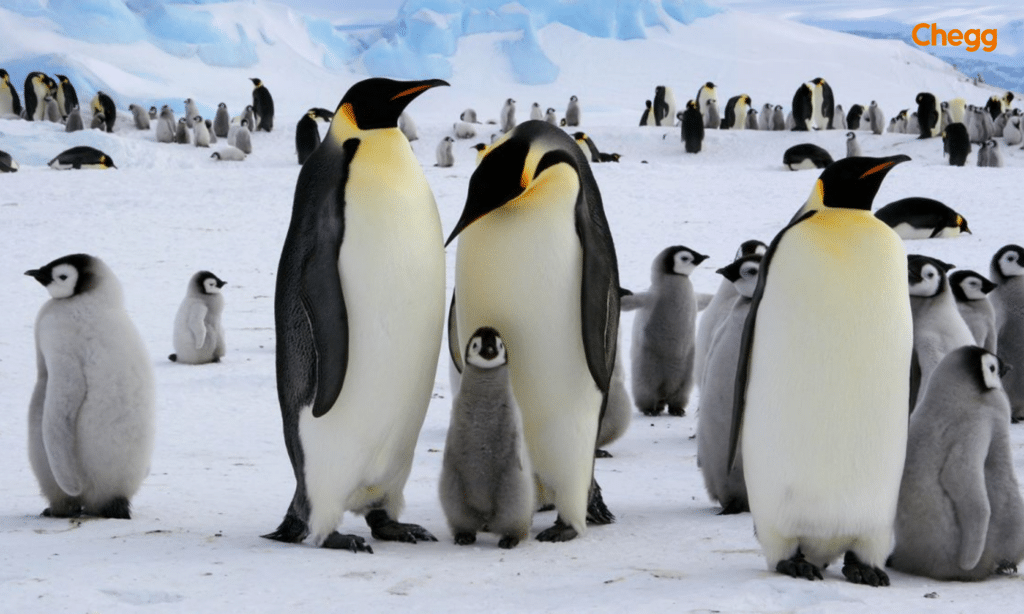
<point>118,507</point>
<point>173,358</point>
<point>559,532</point>
<point>859,572</point>
<point>465,539</point>
<point>292,530</point>
<point>511,541</point>
<point>65,511</point>
<point>384,528</point>
<point>1006,568</point>
<point>215,359</point>
<point>798,567</point>
<point>734,506</point>
<point>597,511</point>
<point>676,411</point>
<point>650,411</point>
<point>352,543</point>
<point>599,453</point>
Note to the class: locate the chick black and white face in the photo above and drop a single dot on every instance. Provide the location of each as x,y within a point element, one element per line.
<point>747,282</point>
<point>486,350</point>
<point>930,282</point>
<point>1010,263</point>
<point>63,279</point>
<point>684,261</point>
<point>973,288</point>
<point>211,284</point>
<point>991,371</point>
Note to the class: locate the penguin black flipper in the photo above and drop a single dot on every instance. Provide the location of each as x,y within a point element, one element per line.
<point>747,341</point>
<point>453,336</point>
<point>312,352</point>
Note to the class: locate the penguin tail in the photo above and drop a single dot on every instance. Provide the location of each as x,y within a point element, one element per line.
<point>597,511</point>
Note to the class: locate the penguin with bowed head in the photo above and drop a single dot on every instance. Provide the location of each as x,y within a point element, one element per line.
<point>664,331</point>
<point>547,278</point>
<point>67,97</point>
<point>10,102</point>
<point>823,441</point>
<point>91,416</point>
<point>806,156</point>
<point>307,135</point>
<point>714,411</point>
<point>486,478</point>
<point>960,513</point>
<point>917,217</point>
<point>198,333</point>
<point>971,290</point>
<point>7,163</point>
<point>706,95</point>
<point>356,358</point>
<point>957,143</point>
<point>104,104</point>
<point>81,156</point>
<point>1007,272</point>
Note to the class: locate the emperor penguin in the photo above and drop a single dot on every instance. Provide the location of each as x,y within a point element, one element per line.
<point>166,126</point>
<point>469,115</point>
<point>752,122</point>
<point>356,357</point>
<point>221,121</point>
<point>839,119</point>
<point>945,118</point>
<point>99,121</point>
<point>37,87</point>
<point>957,109</point>
<point>486,478</point>
<point>824,439</point>
<point>705,94</point>
<point>764,119</point>
<point>712,314</point>
<point>938,326</point>
<point>81,156</point>
<point>200,133</point>
<point>152,113</point>
<point>191,110</point>
<point>228,153</point>
<point>1007,272</point>
<point>408,127</point>
<point>928,114</point>
<point>917,217</point>
<point>852,145</point>
<point>536,260</point>
<point>91,417</point>
<point>806,156</point>
<point>7,163</point>
<point>664,331</point>
<point>960,513</point>
<point>778,118</point>
<point>444,153</point>
<point>551,117</point>
<point>1013,131</point>
<point>647,118</point>
<point>956,143</point>
<point>572,112</point>
<point>243,138</point>
<point>198,333</point>
<point>262,106</point>
<point>183,136</point>
<point>52,112</point>
<point>619,409</point>
<point>102,103</point>
<point>664,106</point>
<point>588,147</point>
<point>10,102</point>
<point>74,120</point>
<point>481,150</point>
<point>464,130</point>
<point>140,116</point>
<point>876,118</point>
<point>508,115</point>
<point>536,112</point>
<point>714,411</point>
<point>736,112</point>
<point>805,100</point>
<point>855,117</point>
<point>209,130</point>
<point>307,136</point>
<point>824,111</point>
<point>971,290</point>
<point>692,128</point>
<point>994,156</point>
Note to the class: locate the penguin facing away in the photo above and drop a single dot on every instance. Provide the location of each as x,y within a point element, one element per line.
<point>221,121</point>
<point>547,278</point>
<point>486,478</point>
<point>91,416</point>
<point>917,217</point>
<point>262,106</point>
<point>957,143</point>
<point>928,115</point>
<point>52,112</point>
<point>795,402</point>
<point>806,156</point>
<point>664,331</point>
<point>1007,272</point>
<point>618,410</point>
<point>692,128</point>
<point>804,103</point>
<point>647,118</point>
<point>198,333</point>
<point>307,136</point>
<point>960,513</point>
<point>356,357</point>
<point>876,118</point>
<point>191,110</point>
<point>971,290</point>
<point>242,137</point>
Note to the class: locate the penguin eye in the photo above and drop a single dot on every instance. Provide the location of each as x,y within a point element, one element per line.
<point>62,277</point>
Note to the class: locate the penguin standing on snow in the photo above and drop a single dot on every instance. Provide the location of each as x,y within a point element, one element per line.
<point>928,115</point>
<point>647,118</point>
<point>358,310</point>
<point>960,514</point>
<point>140,116</point>
<point>957,143</point>
<point>1007,272</point>
<point>664,106</point>
<point>804,102</point>
<point>198,333</point>
<point>37,87</point>
<point>221,121</point>
<point>91,417</point>
<point>705,95</point>
<point>200,133</point>
<point>74,121</point>
<point>663,334</point>
<point>242,138</point>
<point>852,146</point>
<point>10,103</point>
<point>825,106</point>
<point>307,136</point>
<point>855,117</point>
<point>971,290</point>
<point>876,118</point>
<point>444,153</point>
<point>486,480</point>
<point>262,106</point>
<point>67,97</point>
<point>191,110</point>
<point>166,126</point>
<point>823,440</point>
<point>692,127</point>
<point>572,112</point>
<point>736,112</point>
<point>104,104</point>
<point>536,261</point>
<point>508,115</point>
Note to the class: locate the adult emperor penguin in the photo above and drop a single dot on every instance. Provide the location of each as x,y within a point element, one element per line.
<point>917,217</point>
<point>536,261</point>
<point>824,111</point>
<point>7,163</point>
<point>356,357</point>
<point>102,103</point>
<point>572,112</point>
<point>824,439</point>
<point>140,116</point>
<point>806,156</point>
<point>10,103</point>
<point>928,115</point>
<point>221,121</point>
<point>805,100</point>
<point>705,94</point>
<point>307,136</point>
<point>91,416</point>
<point>960,514</point>
<point>1007,272</point>
<point>971,290</point>
<point>198,334</point>
<point>855,117</point>
<point>37,86</point>
<point>692,128</point>
<point>262,106</point>
<point>486,479</point>
<point>664,106</point>
<point>852,145</point>
<point>956,143</point>
<point>481,151</point>
<point>81,156</point>
<point>664,332</point>
<point>647,117</point>
<point>736,112</point>
<point>714,412</point>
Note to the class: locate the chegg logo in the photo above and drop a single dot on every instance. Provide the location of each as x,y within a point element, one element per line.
<point>974,38</point>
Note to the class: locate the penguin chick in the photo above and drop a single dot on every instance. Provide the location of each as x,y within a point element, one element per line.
<point>444,152</point>
<point>243,137</point>
<point>852,146</point>
<point>408,127</point>
<point>508,115</point>
<point>191,110</point>
<point>166,126</point>
<point>463,130</point>
<point>714,412</point>
<point>1007,272</point>
<point>183,135</point>
<point>971,289</point>
<point>74,120</point>
<point>535,112</point>
<point>140,116</point>
<point>198,334</point>
<point>91,416</point>
<point>960,514</point>
<point>486,478</point>
<point>200,132</point>
<point>618,413</point>
<point>551,117</point>
<point>228,153</point>
<point>221,121</point>
<point>572,112</point>
<point>663,334</point>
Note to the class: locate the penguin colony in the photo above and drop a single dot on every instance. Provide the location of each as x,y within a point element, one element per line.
<point>549,164</point>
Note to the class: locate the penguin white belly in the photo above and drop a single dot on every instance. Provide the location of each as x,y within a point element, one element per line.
<point>828,386</point>
<point>392,269</point>
<point>818,119</point>
<point>535,306</point>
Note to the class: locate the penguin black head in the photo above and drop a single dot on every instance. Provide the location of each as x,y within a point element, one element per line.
<point>323,114</point>
<point>63,79</point>
<point>486,349</point>
<point>647,103</point>
<point>985,368</point>
<point>969,286</point>
<point>256,82</point>
<point>741,267</point>
<point>67,276</point>
<point>678,260</point>
<point>479,146</point>
<point>750,248</point>
<point>1008,262</point>
<point>709,85</point>
<point>377,102</point>
<point>4,76</point>
<point>207,283</point>
<point>851,183</point>
<point>817,81</point>
<point>850,136</point>
<point>573,98</point>
<point>926,276</point>
<point>692,104</point>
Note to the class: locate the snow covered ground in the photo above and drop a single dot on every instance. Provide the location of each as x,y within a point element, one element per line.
<point>220,475</point>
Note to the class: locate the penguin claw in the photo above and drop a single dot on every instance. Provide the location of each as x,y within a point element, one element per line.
<point>599,453</point>
<point>676,411</point>
<point>384,528</point>
<point>465,538</point>
<point>858,572</point>
<point>798,567</point>
<point>352,543</point>
<point>508,542</point>
<point>734,506</point>
<point>559,532</point>
<point>1006,568</point>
